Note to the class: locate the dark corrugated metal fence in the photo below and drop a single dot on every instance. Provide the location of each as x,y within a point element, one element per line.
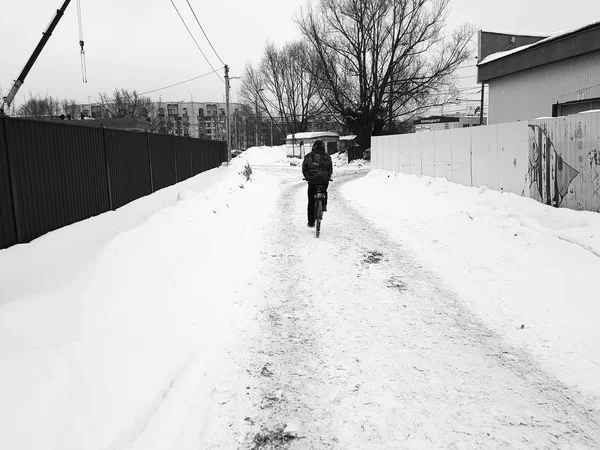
<point>162,158</point>
<point>54,174</point>
<point>183,157</point>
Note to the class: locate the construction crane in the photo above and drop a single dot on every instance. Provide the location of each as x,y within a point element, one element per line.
<point>7,101</point>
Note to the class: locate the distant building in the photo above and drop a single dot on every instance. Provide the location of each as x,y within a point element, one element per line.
<point>435,123</point>
<point>204,120</point>
<point>197,119</point>
<point>307,139</point>
<point>536,76</point>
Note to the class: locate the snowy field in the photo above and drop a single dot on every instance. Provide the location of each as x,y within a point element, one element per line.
<point>442,316</point>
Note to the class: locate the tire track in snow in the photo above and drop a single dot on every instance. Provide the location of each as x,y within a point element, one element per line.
<point>359,346</point>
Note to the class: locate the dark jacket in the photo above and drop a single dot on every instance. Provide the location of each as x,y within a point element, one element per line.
<point>317,166</point>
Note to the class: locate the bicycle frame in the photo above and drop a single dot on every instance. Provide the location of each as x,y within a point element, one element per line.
<point>319,198</point>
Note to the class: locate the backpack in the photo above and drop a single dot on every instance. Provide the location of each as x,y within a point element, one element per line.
<point>316,166</point>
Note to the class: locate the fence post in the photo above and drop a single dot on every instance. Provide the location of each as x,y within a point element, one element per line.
<point>471,156</point>
<point>174,158</point>
<point>191,160</point>
<point>149,161</point>
<point>107,166</point>
<point>13,186</point>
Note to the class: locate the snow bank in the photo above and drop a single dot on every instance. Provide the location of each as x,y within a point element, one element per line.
<point>277,155</point>
<point>340,162</point>
<point>98,326</point>
<point>281,156</point>
<point>528,270</point>
<point>500,209</point>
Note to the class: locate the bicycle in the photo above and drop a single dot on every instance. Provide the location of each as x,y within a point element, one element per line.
<point>319,199</point>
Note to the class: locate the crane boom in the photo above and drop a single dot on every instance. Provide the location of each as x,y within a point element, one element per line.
<point>34,56</point>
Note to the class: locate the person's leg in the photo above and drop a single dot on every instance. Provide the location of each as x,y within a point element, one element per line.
<point>311,204</point>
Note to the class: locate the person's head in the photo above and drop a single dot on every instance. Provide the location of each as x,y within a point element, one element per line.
<point>318,146</point>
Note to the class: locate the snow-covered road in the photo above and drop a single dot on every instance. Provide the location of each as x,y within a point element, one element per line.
<point>208,316</point>
<point>357,345</point>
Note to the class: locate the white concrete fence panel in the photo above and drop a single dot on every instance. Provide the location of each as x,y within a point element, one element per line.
<point>554,160</point>
<point>460,146</point>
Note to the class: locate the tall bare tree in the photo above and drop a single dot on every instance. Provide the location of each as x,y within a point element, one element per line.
<point>284,87</point>
<point>125,103</point>
<point>383,60</point>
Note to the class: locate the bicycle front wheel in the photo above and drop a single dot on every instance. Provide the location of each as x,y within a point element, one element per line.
<point>318,216</point>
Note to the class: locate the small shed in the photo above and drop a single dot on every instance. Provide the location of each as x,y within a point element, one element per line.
<point>347,142</point>
<point>301,143</point>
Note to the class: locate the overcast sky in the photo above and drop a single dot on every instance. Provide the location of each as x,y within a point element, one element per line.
<point>143,45</point>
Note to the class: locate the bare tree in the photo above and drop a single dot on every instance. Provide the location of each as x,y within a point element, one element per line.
<point>40,107</point>
<point>383,60</point>
<point>124,103</point>
<point>284,87</point>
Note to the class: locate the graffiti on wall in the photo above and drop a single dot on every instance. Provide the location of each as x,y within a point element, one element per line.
<point>594,161</point>
<point>548,175</point>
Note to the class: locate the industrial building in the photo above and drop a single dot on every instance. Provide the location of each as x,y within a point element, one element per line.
<point>436,123</point>
<point>530,76</point>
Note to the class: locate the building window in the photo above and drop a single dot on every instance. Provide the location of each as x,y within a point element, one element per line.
<point>201,112</point>
<point>566,109</point>
<point>97,111</point>
<point>211,109</point>
<point>172,109</point>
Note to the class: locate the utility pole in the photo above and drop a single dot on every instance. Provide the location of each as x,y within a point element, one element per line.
<point>227,86</point>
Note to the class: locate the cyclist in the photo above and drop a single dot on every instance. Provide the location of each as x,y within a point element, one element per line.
<point>317,169</point>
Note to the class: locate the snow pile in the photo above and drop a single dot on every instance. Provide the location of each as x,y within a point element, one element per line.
<point>506,211</point>
<point>339,159</point>
<point>97,326</point>
<point>529,271</point>
<point>282,156</point>
<point>268,155</point>
<point>340,162</point>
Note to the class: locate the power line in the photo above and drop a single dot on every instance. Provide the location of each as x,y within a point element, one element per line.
<point>210,43</point>
<point>177,84</point>
<point>196,42</point>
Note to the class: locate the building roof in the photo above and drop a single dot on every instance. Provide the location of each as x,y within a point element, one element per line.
<point>556,47</point>
<point>126,123</point>
<point>313,135</point>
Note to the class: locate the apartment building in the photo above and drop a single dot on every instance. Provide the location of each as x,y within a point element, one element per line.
<point>206,120</point>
